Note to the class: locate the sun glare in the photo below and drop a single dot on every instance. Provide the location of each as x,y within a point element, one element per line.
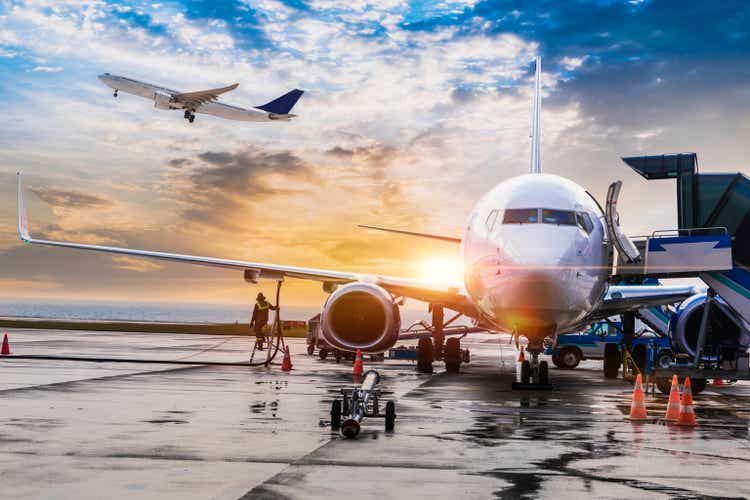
<point>442,270</point>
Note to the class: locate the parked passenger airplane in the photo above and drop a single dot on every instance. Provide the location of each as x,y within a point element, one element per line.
<point>537,253</point>
<point>204,101</point>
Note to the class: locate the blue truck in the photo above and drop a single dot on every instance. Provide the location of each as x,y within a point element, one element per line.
<point>571,348</point>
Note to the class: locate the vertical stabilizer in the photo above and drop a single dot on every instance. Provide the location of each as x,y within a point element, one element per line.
<point>535,166</point>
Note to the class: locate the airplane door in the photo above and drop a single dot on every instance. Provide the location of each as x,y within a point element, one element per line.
<point>624,245</point>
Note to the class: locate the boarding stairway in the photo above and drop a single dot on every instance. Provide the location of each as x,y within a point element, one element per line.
<point>712,240</point>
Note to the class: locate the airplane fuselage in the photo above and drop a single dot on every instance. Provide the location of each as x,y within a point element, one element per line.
<point>160,97</point>
<point>535,257</point>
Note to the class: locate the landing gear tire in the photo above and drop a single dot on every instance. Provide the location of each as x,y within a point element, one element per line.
<point>191,119</point>
<point>310,350</point>
<point>612,360</point>
<point>452,355</point>
<point>424,356</point>
<point>525,372</point>
<point>336,414</point>
<point>114,94</point>
<point>390,416</point>
<point>323,353</point>
<point>337,356</point>
<point>543,373</point>
<point>569,358</point>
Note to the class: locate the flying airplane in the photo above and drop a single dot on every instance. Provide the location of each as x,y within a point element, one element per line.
<point>537,252</point>
<point>204,101</point>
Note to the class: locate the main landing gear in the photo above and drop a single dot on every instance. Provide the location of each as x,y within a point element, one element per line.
<point>534,373</point>
<point>189,115</point>
<point>437,348</point>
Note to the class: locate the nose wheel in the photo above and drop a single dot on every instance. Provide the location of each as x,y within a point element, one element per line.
<point>114,94</point>
<point>534,374</point>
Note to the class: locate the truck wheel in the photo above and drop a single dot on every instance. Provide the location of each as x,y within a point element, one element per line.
<point>664,359</point>
<point>612,360</point>
<point>452,355</point>
<point>390,416</point>
<point>424,356</point>
<point>336,414</point>
<point>543,373</point>
<point>697,385</point>
<point>310,349</point>
<point>556,360</point>
<point>525,372</point>
<point>323,353</point>
<point>664,385</point>
<point>569,358</point>
<point>337,355</point>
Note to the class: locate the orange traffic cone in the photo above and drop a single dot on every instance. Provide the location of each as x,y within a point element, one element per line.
<point>718,382</point>
<point>6,346</point>
<point>687,415</point>
<point>673,407</point>
<point>286,363</point>
<point>521,357</point>
<point>638,406</point>
<point>358,367</point>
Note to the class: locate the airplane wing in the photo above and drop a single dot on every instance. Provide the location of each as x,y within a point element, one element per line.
<point>195,99</point>
<point>449,239</point>
<point>451,296</point>
<point>620,299</point>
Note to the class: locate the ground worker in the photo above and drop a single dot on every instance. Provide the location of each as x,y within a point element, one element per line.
<point>260,319</point>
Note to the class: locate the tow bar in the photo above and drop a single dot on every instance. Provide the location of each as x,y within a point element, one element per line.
<point>358,403</point>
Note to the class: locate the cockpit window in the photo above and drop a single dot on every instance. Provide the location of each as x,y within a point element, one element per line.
<point>559,217</point>
<point>490,222</point>
<point>521,216</point>
<point>584,222</point>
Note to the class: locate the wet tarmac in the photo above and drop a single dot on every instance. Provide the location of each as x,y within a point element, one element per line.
<point>81,429</point>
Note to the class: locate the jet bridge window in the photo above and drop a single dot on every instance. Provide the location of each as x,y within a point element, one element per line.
<point>521,216</point>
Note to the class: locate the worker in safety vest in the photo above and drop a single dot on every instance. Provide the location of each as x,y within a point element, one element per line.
<point>260,318</point>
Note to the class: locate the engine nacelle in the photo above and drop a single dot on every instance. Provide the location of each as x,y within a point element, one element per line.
<point>163,101</point>
<point>360,316</point>
<point>723,334</point>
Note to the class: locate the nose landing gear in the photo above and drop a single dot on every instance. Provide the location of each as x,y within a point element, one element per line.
<point>534,373</point>
<point>114,94</point>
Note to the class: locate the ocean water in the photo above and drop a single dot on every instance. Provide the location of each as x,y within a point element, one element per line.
<point>163,311</point>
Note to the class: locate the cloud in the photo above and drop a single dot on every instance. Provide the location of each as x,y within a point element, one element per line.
<point>47,69</point>
<point>136,265</point>
<point>70,198</point>
<point>220,188</point>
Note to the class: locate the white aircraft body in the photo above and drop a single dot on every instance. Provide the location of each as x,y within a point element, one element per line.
<point>204,101</point>
<point>537,252</point>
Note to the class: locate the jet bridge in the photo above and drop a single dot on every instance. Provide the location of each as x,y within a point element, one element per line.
<point>713,236</point>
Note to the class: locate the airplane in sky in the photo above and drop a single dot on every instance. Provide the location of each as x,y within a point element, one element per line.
<point>204,101</point>
<point>537,252</point>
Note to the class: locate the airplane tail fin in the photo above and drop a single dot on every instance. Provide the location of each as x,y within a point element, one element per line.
<point>535,166</point>
<point>284,104</point>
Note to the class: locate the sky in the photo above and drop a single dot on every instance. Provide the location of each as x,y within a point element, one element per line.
<point>412,111</point>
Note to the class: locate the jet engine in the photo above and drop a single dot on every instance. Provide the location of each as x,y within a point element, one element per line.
<point>360,316</point>
<point>725,336</point>
<point>163,101</point>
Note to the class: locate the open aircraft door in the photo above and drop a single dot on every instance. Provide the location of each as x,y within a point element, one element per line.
<point>625,246</point>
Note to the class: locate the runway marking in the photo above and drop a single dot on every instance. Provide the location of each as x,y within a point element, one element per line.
<point>97,379</point>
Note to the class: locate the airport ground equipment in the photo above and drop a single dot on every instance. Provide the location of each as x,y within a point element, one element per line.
<point>710,331</point>
<point>360,402</point>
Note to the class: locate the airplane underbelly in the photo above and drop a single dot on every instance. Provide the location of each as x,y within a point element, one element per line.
<point>231,113</point>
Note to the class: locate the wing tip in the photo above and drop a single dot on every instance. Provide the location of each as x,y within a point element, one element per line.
<point>23,224</point>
